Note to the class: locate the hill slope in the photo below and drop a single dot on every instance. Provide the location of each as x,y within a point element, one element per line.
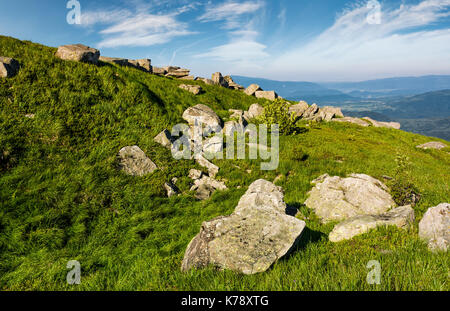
<point>62,197</point>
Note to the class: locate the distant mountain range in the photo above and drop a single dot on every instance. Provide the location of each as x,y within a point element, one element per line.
<point>421,104</point>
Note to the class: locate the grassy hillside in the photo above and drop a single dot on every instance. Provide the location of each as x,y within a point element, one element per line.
<point>62,197</point>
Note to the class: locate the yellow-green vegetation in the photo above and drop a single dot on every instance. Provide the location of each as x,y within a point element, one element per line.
<point>62,197</point>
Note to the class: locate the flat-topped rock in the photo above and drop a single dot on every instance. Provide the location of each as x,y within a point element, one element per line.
<point>298,109</point>
<point>337,198</point>
<point>252,89</point>
<point>352,120</point>
<point>159,71</point>
<point>205,115</point>
<point>114,60</point>
<point>432,145</point>
<point>194,89</point>
<point>393,125</point>
<point>331,112</point>
<point>401,217</point>
<point>218,79</point>
<point>270,95</point>
<point>310,112</point>
<point>133,161</point>
<point>251,239</point>
<point>434,228</point>
<point>9,67</point>
<point>78,53</point>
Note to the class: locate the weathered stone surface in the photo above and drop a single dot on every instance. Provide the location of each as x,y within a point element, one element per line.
<point>252,89</point>
<point>213,145</point>
<point>331,112</point>
<point>133,161</point>
<point>432,145</point>
<point>255,111</point>
<point>206,186</point>
<point>352,120</point>
<point>145,64</point>
<point>232,84</point>
<point>393,125</point>
<point>203,162</point>
<point>78,53</point>
<point>270,95</point>
<point>190,78</point>
<point>218,79</point>
<point>164,138</point>
<point>195,174</point>
<point>177,73</point>
<point>9,67</point>
<point>194,89</point>
<point>336,198</point>
<point>434,227</point>
<point>115,60</point>
<point>171,189</point>
<point>310,112</point>
<point>159,71</point>
<point>402,217</point>
<point>251,239</point>
<point>204,114</point>
<point>232,127</point>
<point>205,80</point>
<point>235,113</point>
<point>299,109</point>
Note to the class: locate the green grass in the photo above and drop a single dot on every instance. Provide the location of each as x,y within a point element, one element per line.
<point>62,197</point>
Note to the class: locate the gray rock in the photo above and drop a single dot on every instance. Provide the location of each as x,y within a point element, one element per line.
<point>133,161</point>
<point>206,186</point>
<point>164,138</point>
<point>212,169</point>
<point>159,71</point>
<point>251,239</point>
<point>218,79</point>
<point>195,174</point>
<point>270,95</point>
<point>206,81</point>
<point>402,217</point>
<point>78,53</point>
<point>232,127</point>
<point>9,67</point>
<point>393,125</point>
<point>434,228</point>
<point>299,109</point>
<point>213,145</point>
<point>432,145</point>
<point>352,120</point>
<point>194,89</point>
<point>336,198</point>
<point>310,112</point>
<point>252,89</point>
<point>177,73</point>
<point>115,60</point>
<point>235,113</point>
<point>171,189</point>
<point>202,114</point>
<point>232,84</point>
<point>255,111</point>
<point>331,112</point>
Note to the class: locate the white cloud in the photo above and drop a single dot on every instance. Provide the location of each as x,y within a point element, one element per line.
<point>353,49</point>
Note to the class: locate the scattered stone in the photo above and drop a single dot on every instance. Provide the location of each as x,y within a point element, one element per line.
<point>213,145</point>
<point>78,53</point>
<point>203,162</point>
<point>235,114</point>
<point>255,111</point>
<point>218,79</point>
<point>270,95</point>
<point>232,84</point>
<point>331,112</point>
<point>203,114</point>
<point>310,112</point>
<point>299,109</point>
<point>393,125</point>
<point>402,217</point>
<point>164,138</point>
<point>432,145</point>
<point>257,234</point>
<point>30,116</point>
<point>9,67</point>
<point>133,161</point>
<point>352,120</point>
<point>171,189</point>
<point>252,89</point>
<point>232,127</point>
<point>206,186</point>
<point>195,174</point>
<point>194,89</point>
<point>336,198</point>
<point>434,228</point>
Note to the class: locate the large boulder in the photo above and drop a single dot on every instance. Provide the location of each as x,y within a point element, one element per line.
<point>336,198</point>
<point>218,79</point>
<point>328,113</point>
<point>159,71</point>
<point>299,109</point>
<point>255,111</point>
<point>401,217</point>
<point>232,84</point>
<point>352,120</point>
<point>213,145</point>
<point>432,145</point>
<point>205,115</point>
<point>270,95</point>
<point>78,53</point>
<point>393,125</point>
<point>250,240</point>
<point>252,89</point>
<point>177,73</point>
<point>434,227</point>
<point>310,112</point>
<point>9,67</point>
<point>133,161</point>
<point>194,89</point>
<point>141,64</point>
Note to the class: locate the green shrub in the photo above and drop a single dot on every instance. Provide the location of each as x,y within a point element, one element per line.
<point>403,190</point>
<point>277,112</point>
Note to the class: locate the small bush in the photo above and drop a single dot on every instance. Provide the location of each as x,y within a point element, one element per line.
<point>277,112</point>
<point>403,191</point>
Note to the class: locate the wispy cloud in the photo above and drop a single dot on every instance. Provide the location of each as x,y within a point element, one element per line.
<point>353,48</point>
<point>123,27</point>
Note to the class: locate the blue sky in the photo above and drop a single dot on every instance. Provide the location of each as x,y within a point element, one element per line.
<point>296,40</point>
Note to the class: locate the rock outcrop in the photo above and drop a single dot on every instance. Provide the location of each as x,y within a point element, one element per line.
<point>78,53</point>
<point>231,84</point>
<point>432,145</point>
<point>270,95</point>
<point>434,228</point>
<point>133,161</point>
<point>249,241</point>
<point>205,115</point>
<point>194,89</point>
<point>299,109</point>
<point>393,125</point>
<point>218,79</point>
<point>402,217</point>
<point>176,72</point>
<point>352,120</point>
<point>252,89</point>
<point>255,111</point>
<point>336,198</point>
<point>9,67</point>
